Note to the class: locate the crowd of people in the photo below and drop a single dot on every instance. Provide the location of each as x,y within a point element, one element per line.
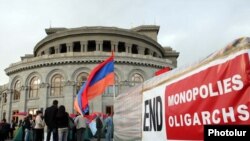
<point>56,125</point>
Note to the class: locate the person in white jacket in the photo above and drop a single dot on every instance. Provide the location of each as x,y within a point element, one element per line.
<point>39,126</point>
<point>81,124</point>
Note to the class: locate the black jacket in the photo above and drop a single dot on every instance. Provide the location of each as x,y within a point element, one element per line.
<point>50,116</point>
<point>98,123</point>
<point>62,120</point>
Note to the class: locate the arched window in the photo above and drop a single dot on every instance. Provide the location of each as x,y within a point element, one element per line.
<point>81,78</point>
<point>63,48</point>
<point>106,45</point>
<point>134,49</point>
<point>52,50</point>
<point>42,53</point>
<point>76,47</point>
<point>136,79</point>
<point>91,46</point>
<point>121,47</point>
<point>56,85</point>
<point>155,54</point>
<point>34,86</point>
<point>109,91</point>
<point>146,51</point>
<point>17,90</point>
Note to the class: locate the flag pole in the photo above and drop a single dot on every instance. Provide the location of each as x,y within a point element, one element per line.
<point>112,53</point>
<point>114,92</point>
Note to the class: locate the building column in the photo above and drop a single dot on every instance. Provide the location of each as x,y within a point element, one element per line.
<point>8,104</point>
<point>151,52</point>
<point>99,46</point>
<point>68,96</point>
<point>86,46</point>
<point>69,47</point>
<point>46,51</point>
<point>23,99</point>
<point>43,96</point>
<point>114,46</point>
<point>128,48</point>
<point>57,49</point>
<point>83,46</point>
<point>141,50</point>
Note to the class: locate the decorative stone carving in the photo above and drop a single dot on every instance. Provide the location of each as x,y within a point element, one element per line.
<point>44,85</point>
<point>69,83</point>
<point>24,88</point>
<point>9,91</point>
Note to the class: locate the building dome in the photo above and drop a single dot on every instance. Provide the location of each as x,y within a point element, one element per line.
<point>62,61</point>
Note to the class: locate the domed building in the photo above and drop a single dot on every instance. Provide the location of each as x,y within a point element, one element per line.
<point>62,61</point>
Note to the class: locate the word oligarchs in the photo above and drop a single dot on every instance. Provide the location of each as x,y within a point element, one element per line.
<point>221,87</point>
<point>224,115</point>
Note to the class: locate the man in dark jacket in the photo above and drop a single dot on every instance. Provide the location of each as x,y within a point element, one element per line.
<point>12,128</point>
<point>4,129</point>
<point>50,120</point>
<point>98,127</point>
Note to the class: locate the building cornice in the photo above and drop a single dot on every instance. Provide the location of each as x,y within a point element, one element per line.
<point>87,31</point>
<point>86,58</point>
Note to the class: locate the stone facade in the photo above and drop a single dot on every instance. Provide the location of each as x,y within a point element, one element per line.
<point>62,60</point>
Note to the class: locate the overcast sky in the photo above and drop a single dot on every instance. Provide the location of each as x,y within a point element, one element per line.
<point>195,28</point>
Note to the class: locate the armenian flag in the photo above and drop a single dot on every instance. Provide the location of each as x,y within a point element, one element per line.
<point>100,77</point>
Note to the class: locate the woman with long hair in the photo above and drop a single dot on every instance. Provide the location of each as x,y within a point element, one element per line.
<point>62,118</point>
